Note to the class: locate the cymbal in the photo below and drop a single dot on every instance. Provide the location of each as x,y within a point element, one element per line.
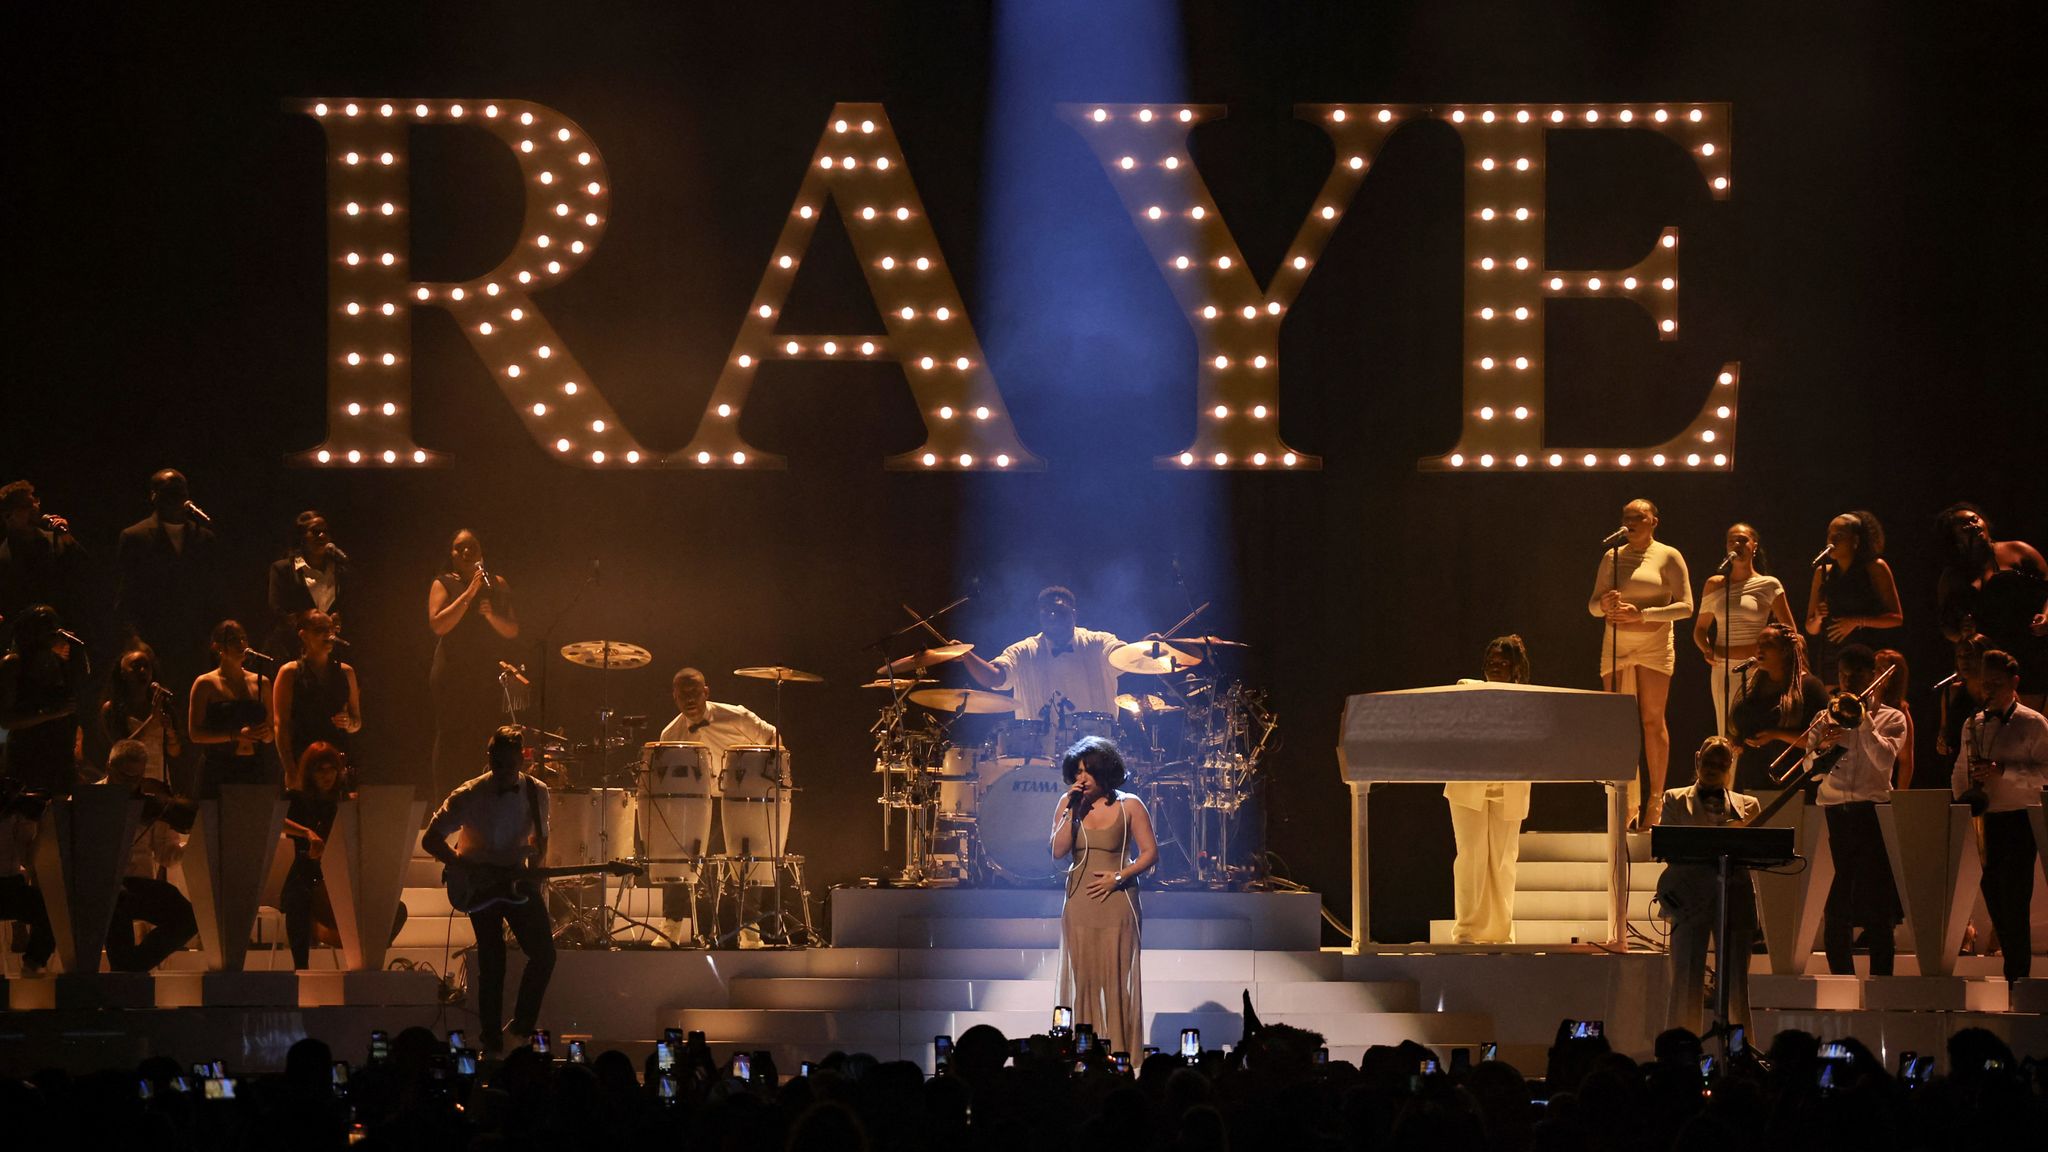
<point>779,673</point>
<point>928,658</point>
<point>607,653</point>
<point>1207,642</point>
<point>968,700</point>
<point>1151,658</point>
<point>902,682</point>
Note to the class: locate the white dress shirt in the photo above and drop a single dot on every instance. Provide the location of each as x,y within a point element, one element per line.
<point>1865,771</point>
<point>322,584</point>
<point>2018,740</point>
<point>724,726</point>
<point>497,824</point>
<point>1082,674</point>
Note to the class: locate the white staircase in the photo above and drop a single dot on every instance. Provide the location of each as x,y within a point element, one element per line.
<point>1561,890</point>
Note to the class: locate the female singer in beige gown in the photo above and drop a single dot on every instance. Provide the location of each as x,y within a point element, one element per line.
<point>1099,974</point>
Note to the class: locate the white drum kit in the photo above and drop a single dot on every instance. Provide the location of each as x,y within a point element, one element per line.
<point>663,820</point>
<point>976,787</point>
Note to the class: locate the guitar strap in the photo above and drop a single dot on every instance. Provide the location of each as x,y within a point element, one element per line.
<point>533,806</point>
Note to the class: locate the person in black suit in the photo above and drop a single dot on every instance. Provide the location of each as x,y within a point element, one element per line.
<point>40,560</point>
<point>312,576</point>
<point>167,581</point>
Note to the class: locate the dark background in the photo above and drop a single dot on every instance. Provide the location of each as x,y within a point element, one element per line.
<point>1876,273</point>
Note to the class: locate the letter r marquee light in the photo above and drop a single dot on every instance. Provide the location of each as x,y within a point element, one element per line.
<point>1144,149</point>
<point>371,293</point>
<point>858,166</point>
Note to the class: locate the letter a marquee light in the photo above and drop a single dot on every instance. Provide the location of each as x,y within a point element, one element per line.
<point>1237,326</point>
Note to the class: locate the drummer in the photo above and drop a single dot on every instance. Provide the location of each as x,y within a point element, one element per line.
<point>702,720</point>
<point>1063,667</point>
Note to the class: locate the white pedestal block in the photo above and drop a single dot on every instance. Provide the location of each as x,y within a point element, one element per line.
<point>364,868</point>
<point>80,849</point>
<point>1826,993</point>
<point>226,860</point>
<point>1790,906</point>
<point>1933,994</point>
<point>1935,864</point>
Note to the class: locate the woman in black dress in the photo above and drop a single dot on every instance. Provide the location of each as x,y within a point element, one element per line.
<point>1998,587</point>
<point>1774,707</point>
<point>1853,598</point>
<point>470,609</point>
<point>42,678</point>
<point>228,716</point>
<point>316,699</point>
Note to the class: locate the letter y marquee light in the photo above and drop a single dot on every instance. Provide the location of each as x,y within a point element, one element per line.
<point>859,167</point>
<point>1506,281</point>
<point>371,293</point>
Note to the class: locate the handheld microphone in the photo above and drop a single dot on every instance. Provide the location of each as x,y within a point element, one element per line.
<point>55,524</point>
<point>197,513</point>
<point>335,551</point>
<point>1614,538</point>
<point>1821,557</point>
<point>1727,562</point>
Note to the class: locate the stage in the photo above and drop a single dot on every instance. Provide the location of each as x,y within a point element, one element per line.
<point>906,965</point>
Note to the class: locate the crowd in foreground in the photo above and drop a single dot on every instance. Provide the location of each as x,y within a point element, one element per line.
<point>1275,1090</point>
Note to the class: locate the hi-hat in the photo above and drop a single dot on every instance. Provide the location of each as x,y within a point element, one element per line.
<point>607,654</point>
<point>1151,658</point>
<point>969,700</point>
<point>1143,705</point>
<point>928,658</point>
<point>904,682</point>
<point>780,673</point>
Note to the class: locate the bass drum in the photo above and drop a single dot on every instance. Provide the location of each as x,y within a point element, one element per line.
<point>1016,820</point>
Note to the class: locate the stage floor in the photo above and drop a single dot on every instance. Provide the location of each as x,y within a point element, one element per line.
<point>910,964</point>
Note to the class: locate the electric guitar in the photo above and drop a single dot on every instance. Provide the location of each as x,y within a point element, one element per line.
<point>473,887</point>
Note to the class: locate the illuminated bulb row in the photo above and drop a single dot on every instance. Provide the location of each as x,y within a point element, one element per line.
<point>966,459</point>
<point>355,456</point>
<point>1589,460</point>
<point>1222,459</point>
<point>1144,116</point>
<point>1525,115</point>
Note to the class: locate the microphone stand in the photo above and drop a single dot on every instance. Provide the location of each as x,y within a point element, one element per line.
<point>547,638</point>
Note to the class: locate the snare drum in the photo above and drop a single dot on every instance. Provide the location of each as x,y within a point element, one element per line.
<point>753,806</point>
<point>960,783</point>
<point>675,808</point>
<point>589,826</point>
<point>1023,740</point>
<point>1016,812</point>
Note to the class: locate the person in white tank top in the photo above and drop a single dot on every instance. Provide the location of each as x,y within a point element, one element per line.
<point>1735,604</point>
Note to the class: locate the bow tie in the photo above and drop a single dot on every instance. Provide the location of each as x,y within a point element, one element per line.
<point>704,723</point>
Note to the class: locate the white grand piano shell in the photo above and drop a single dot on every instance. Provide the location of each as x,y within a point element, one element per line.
<point>1489,733</point>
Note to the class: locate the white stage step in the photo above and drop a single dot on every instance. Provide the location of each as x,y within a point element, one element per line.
<point>1556,931</point>
<point>1163,995</point>
<point>1579,847</point>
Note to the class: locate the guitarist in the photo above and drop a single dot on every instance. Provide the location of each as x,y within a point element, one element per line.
<point>502,816</point>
